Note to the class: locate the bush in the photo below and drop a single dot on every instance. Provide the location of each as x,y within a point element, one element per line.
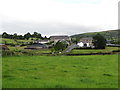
<point>8,53</point>
<point>10,44</point>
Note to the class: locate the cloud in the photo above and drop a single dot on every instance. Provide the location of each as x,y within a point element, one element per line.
<point>99,14</point>
<point>46,29</point>
<point>80,1</point>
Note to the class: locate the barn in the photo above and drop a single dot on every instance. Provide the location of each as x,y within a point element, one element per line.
<point>37,46</point>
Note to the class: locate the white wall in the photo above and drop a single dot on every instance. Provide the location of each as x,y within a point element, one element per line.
<point>81,44</point>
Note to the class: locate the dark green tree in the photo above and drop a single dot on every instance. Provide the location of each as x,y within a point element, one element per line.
<point>15,36</point>
<point>20,37</point>
<point>99,41</point>
<point>60,46</point>
<point>11,36</point>
<point>45,37</point>
<point>5,35</point>
<point>75,40</point>
<point>27,36</point>
<point>36,35</point>
<point>39,36</point>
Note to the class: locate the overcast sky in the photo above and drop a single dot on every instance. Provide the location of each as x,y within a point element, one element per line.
<point>54,17</point>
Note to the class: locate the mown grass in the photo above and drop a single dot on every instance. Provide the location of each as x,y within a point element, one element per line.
<point>100,71</point>
<point>81,51</point>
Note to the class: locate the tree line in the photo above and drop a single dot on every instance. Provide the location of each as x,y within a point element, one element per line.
<point>23,37</point>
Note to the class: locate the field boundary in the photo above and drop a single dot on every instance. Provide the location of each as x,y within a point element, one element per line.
<point>100,53</point>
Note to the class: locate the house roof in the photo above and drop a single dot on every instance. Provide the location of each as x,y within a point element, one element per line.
<point>38,45</point>
<point>87,38</point>
<point>46,40</point>
<point>60,37</point>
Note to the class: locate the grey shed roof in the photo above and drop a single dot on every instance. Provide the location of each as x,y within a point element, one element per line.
<point>37,45</point>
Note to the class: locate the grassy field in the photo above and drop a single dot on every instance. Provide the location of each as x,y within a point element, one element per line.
<point>22,49</point>
<point>2,40</point>
<point>60,71</point>
<point>108,49</point>
<point>74,51</point>
<point>13,48</point>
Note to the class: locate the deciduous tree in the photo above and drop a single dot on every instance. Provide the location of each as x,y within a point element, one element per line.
<point>99,41</point>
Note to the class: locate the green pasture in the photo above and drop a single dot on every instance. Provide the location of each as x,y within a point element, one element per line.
<point>99,71</point>
<point>108,49</point>
<point>35,52</point>
<point>18,51</point>
<point>74,51</point>
<point>13,48</point>
<point>12,41</point>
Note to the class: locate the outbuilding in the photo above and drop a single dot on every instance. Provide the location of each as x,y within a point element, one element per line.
<point>37,46</point>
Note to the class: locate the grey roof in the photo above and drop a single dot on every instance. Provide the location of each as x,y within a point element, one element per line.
<point>60,37</point>
<point>84,42</point>
<point>87,38</point>
<point>37,45</point>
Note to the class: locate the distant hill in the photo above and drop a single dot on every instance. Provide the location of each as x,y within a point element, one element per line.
<point>110,34</point>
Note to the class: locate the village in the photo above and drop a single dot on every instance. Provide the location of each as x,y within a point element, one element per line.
<point>41,44</point>
<point>62,44</point>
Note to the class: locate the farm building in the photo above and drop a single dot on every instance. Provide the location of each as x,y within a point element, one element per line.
<point>57,38</point>
<point>3,47</point>
<point>86,42</point>
<point>41,41</point>
<point>37,46</point>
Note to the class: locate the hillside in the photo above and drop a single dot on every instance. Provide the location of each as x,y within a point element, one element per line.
<point>107,34</point>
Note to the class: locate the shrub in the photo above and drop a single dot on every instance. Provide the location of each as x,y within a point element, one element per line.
<point>8,53</point>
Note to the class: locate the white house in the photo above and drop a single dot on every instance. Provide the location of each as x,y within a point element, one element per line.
<point>85,42</point>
